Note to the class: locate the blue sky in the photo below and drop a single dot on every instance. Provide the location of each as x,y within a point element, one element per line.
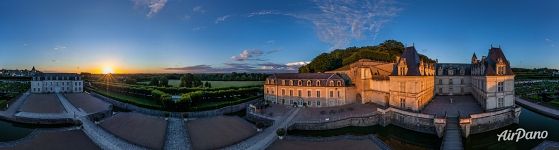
<point>134,36</point>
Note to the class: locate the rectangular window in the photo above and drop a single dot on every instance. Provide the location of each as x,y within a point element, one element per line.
<point>309,103</point>
<point>461,81</point>
<point>500,87</point>
<point>318,94</point>
<point>299,93</point>
<point>402,103</point>
<point>308,93</point>
<point>283,92</point>
<point>290,92</point>
<point>501,102</point>
<point>338,94</point>
<point>317,103</point>
<point>449,81</point>
<point>331,94</point>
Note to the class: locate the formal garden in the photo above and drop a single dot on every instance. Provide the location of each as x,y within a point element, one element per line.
<point>542,91</point>
<point>171,98</point>
<point>10,90</point>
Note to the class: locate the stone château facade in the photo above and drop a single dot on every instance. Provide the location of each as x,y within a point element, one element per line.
<point>410,83</point>
<point>56,83</point>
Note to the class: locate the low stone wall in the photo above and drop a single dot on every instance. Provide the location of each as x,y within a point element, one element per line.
<point>45,121</point>
<point>483,122</point>
<point>254,117</point>
<point>224,110</point>
<point>419,122</point>
<point>369,119</point>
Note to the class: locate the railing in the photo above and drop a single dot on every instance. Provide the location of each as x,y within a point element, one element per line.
<point>339,117</point>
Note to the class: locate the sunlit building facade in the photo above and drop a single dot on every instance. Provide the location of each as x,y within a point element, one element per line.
<point>56,83</point>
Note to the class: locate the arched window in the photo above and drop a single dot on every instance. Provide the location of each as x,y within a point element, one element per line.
<point>299,83</point>
<point>309,83</point>
<point>291,82</point>
<point>339,83</point>
<point>317,82</point>
<point>331,83</point>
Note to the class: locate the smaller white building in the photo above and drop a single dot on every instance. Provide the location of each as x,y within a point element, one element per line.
<point>57,83</point>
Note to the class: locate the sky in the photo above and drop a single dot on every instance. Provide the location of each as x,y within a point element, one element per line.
<point>177,36</point>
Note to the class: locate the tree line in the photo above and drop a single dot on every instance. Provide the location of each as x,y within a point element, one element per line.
<point>386,51</point>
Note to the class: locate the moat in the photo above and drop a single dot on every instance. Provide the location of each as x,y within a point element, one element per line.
<point>400,138</point>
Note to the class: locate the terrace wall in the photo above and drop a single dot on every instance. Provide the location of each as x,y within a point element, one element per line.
<point>418,122</point>
<point>361,120</point>
<point>224,110</point>
<point>483,122</point>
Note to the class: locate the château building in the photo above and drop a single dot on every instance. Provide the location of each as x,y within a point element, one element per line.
<point>56,83</point>
<point>409,83</point>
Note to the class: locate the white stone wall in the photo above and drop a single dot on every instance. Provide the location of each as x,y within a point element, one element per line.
<point>461,85</point>
<point>54,86</point>
<point>273,93</point>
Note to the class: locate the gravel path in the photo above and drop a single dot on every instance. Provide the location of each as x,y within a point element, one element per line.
<point>268,136</point>
<point>177,136</point>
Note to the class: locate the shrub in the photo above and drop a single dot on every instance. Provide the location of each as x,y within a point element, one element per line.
<point>281,132</point>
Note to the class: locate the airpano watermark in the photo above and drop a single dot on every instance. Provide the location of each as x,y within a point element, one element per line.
<point>510,135</point>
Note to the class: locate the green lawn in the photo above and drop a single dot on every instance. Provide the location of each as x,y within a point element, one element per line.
<point>142,102</point>
<point>222,84</point>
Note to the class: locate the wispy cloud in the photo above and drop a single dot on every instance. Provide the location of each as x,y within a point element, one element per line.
<point>338,22</point>
<point>154,6</point>
<point>240,67</point>
<point>271,42</point>
<point>550,42</point>
<point>198,28</point>
<point>59,47</point>
<point>248,55</point>
<point>199,9</point>
<point>221,19</point>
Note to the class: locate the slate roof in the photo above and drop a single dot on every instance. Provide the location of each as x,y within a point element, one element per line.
<point>455,66</point>
<point>412,60</point>
<point>53,76</point>
<point>491,62</point>
<point>323,77</point>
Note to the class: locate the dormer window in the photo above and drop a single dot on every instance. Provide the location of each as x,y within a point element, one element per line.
<point>291,82</point>
<point>450,72</point>
<point>317,82</point>
<point>331,83</point>
<point>440,71</point>
<point>501,67</point>
<point>299,83</point>
<point>339,83</point>
<point>309,83</point>
<point>282,82</point>
<point>462,71</point>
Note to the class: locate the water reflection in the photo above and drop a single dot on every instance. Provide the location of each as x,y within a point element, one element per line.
<point>400,138</point>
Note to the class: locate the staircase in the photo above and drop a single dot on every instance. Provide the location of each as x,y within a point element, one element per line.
<point>452,135</point>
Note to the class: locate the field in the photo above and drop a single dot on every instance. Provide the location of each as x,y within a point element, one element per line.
<point>221,84</point>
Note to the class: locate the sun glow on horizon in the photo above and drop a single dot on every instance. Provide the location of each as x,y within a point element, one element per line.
<point>108,70</point>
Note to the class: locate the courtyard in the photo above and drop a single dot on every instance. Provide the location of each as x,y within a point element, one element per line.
<point>72,139</point>
<point>42,103</point>
<point>462,105</point>
<point>87,103</point>
<point>144,130</point>
<point>320,144</point>
<point>218,132</point>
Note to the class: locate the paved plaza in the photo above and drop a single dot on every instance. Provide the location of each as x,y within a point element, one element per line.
<point>465,104</point>
<point>87,102</point>
<point>56,140</point>
<point>345,144</point>
<point>218,132</point>
<point>144,130</point>
<point>42,103</point>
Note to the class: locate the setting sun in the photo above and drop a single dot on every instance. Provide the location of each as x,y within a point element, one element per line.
<point>108,70</point>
